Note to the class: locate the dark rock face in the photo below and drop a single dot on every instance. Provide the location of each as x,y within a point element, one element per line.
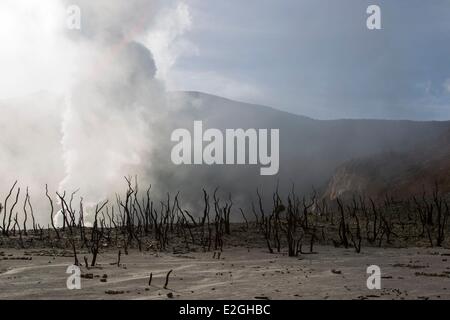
<point>400,174</point>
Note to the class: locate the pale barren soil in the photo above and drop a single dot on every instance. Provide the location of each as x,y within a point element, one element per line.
<point>240,273</point>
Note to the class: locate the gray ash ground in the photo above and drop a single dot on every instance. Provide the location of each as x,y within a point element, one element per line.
<point>244,270</point>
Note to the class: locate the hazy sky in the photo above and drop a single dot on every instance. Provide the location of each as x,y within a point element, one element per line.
<point>311,57</point>
<point>316,57</point>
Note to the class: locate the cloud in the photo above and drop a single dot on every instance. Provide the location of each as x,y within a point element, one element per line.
<point>310,52</point>
<point>35,55</point>
<point>446,85</point>
<point>111,121</point>
<point>165,39</point>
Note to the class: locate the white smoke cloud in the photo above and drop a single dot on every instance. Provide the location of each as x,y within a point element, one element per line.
<point>35,55</point>
<point>113,115</point>
<point>166,40</point>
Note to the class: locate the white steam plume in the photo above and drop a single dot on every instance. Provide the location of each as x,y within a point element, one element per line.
<point>115,110</point>
<point>166,39</point>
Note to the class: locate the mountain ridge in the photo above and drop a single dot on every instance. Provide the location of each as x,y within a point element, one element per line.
<point>310,150</point>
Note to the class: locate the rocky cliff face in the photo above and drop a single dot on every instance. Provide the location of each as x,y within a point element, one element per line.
<point>397,174</point>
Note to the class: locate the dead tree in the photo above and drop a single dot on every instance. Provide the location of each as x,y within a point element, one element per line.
<point>51,212</point>
<point>67,210</point>
<point>118,258</point>
<point>167,279</point>
<point>218,224</point>
<point>1,209</point>
<point>206,239</point>
<point>97,235</point>
<point>265,222</point>
<point>294,244</point>
<point>25,214</point>
<point>245,219</point>
<point>355,237</point>
<point>278,209</point>
<point>11,211</point>
<point>4,225</point>
<point>226,215</point>
<point>442,215</point>
<point>342,225</point>
<point>375,225</point>
<point>20,232</point>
